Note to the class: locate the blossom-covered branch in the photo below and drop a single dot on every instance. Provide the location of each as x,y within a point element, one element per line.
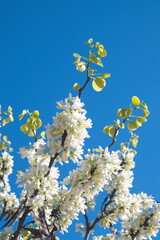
<point>47,206</point>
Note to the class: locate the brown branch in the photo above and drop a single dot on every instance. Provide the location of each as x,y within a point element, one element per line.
<point>12,219</point>
<point>64,136</point>
<point>100,216</point>
<point>115,134</point>
<point>82,88</point>
<point>113,230</point>
<point>88,77</point>
<point>145,224</point>
<point>20,225</point>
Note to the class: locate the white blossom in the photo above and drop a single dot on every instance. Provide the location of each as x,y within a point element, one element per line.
<point>72,119</point>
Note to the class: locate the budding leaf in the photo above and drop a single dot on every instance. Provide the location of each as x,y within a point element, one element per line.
<point>5,138</point>
<point>35,114</point>
<point>76,86</point>
<point>134,142</point>
<point>146,112</point>
<point>43,134</point>
<point>5,121</point>
<point>106,75</point>
<point>89,41</point>
<point>136,100</point>
<point>80,66</point>
<point>102,53</point>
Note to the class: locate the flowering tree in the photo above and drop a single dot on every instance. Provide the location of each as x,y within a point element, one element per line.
<point>47,206</point>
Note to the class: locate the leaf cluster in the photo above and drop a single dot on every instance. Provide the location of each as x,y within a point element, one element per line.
<point>9,115</point>
<point>134,121</point>
<point>33,123</point>
<point>96,53</point>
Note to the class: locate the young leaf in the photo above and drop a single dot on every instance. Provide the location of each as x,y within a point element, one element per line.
<point>76,86</point>
<point>102,53</point>
<point>96,60</point>
<point>125,112</point>
<point>36,114</point>
<point>134,142</point>
<point>106,75</point>
<point>132,125</point>
<point>106,129</point>
<point>98,84</point>
<point>112,131</point>
<point>136,100</point>
<point>89,41</point>
<point>146,112</point>
<point>141,119</point>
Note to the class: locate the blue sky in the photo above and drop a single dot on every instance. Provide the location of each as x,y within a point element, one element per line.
<point>36,68</point>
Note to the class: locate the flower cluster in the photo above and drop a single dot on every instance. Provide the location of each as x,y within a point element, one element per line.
<point>91,176</point>
<point>36,184</point>
<point>8,200</point>
<point>68,131</point>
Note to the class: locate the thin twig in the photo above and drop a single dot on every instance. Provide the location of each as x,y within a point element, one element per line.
<point>115,134</point>
<point>100,216</point>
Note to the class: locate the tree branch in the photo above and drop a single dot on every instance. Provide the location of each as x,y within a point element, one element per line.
<point>20,225</point>
<point>100,216</point>
<point>115,134</point>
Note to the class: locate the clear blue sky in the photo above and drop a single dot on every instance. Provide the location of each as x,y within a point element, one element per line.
<point>36,68</point>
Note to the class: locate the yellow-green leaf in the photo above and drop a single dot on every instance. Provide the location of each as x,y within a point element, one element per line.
<point>106,75</point>
<point>96,60</point>
<point>93,58</point>
<point>141,119</point>
<point>144,105</point>
<point>5,121</point>
<point>102,53</point>
<point>113,132</point>
<point>76,55</point>
<point>100,47</point>
<point>99,62</point>
<point>24,128</point>
<point>76,86</point>
<point>121,125</point>
<point>98,84</point>
<point>136,100</point>
<point>125,112</point>
<point>30,133</point>
<point>10,109</point>
<point>43,134</point>
<point>5,138</point>
<point>36,114</point>
<point>146,112</point>
<point>20,116</point>
<point>134,142</point>
<point>106,129</point>
<point>29,123</point>
<point>132,125</point>
<point>38,123</point>
<point>89,41</point>
<point>2,146</point>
